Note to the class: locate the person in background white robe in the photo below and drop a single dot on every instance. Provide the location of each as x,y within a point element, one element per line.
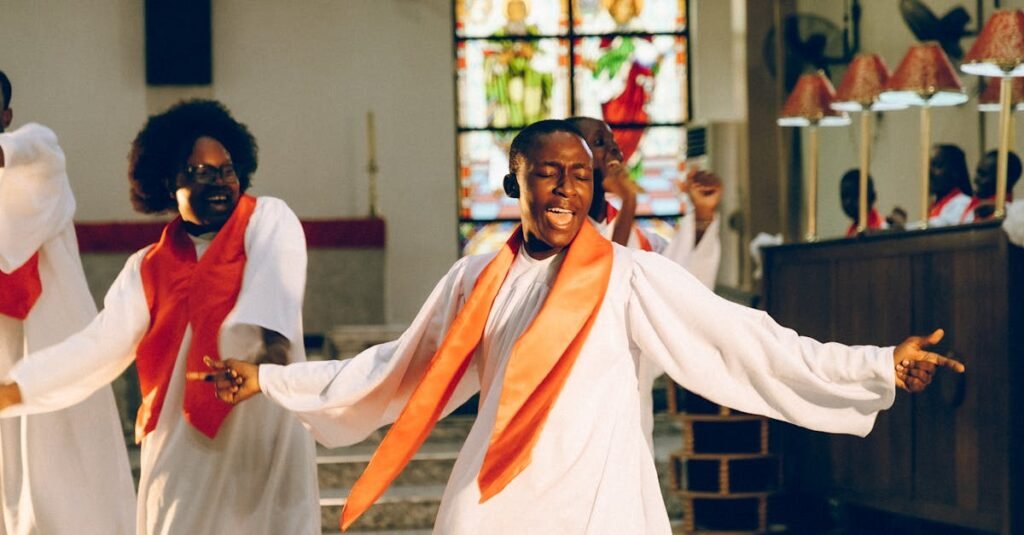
<point>258,475</point>
<point>591,471</point>
<point>950,184</point>
<point>1013,224</point>
<point>66,472</point>
<point>696,245</point>
<point>983,203</point>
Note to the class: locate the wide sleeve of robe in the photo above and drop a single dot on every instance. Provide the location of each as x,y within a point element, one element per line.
<point>35,198</point>
<point>342,402</point>
<point>699,258</point>
<point>68,372</point>
<point>741,358</point>
<point>273,284</point>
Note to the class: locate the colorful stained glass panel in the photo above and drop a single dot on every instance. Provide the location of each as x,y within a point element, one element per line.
<point>656,158</point>
<point>627,79</point>
<point>480,238</point>
<point>509,83</point>
<point>611,16</point>
<point>483,164</point>
<point>486,18</point>
<point>662,226</point>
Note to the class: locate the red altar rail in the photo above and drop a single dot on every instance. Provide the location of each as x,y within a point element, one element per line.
<point>320,234</point>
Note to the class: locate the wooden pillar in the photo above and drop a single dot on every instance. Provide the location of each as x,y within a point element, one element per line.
<point>774,194</point>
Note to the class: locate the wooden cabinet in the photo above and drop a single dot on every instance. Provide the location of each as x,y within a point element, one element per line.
<point>955,453</point>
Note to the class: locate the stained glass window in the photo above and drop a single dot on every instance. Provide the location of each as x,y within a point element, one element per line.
<point>520,61</point>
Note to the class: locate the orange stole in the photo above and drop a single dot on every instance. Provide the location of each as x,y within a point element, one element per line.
<point>20,290</point>
<point>537,369</point>
<point>182,291</point>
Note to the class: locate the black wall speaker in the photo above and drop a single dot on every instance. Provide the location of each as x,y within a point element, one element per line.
<point>179,37</point>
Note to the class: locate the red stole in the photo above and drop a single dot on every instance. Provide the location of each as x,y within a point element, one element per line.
<point>874,223</point>
<point>20,290</point>
<point>975,202</point>
<point>941,203</point>
<point>641,239</point>
<point>537,369</point>
<point>182,291</point>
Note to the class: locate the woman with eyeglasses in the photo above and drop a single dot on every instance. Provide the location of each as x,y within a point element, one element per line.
<point>226,279</point>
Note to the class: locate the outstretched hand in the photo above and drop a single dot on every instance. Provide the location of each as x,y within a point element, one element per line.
<point>235,380</point>
<point>915,366</point>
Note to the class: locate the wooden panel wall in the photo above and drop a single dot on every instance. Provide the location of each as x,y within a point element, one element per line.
<point>951,453</point>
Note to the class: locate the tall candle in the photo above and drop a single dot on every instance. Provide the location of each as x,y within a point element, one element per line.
<point>371,166</point>
<point>371,144</point>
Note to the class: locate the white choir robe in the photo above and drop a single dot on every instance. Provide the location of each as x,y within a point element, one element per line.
<point>1013,224</point>
<point>66,472</point>
<point>258,476</point>
<point>952,211</point>
<point>968,214</point>
<point>701,259</point>
<point>592,471</point>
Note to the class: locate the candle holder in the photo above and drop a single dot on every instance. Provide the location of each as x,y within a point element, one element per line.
<point>924,78</point>
<point>859,91</point>
<point>999,52</point>
<point>810,106</point>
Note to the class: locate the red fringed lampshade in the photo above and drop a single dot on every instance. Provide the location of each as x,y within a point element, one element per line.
<point>999,49</point>
<point>864,81</point>
<point>989,98</point>
<point>810,104</point>
<point>925,77</point>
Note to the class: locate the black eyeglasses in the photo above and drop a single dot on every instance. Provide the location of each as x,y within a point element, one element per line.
<point>208,174</point>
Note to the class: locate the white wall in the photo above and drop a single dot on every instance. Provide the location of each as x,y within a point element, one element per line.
<point>302,75</point>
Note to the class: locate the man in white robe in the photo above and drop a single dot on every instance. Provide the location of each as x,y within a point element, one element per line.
<point>590,470</point>
<point>66,472</point>
<point>257,475</point>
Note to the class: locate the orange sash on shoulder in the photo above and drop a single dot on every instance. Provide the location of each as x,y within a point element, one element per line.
<point>537,369</point>
<point>183,291</point>
<point>20,290</point>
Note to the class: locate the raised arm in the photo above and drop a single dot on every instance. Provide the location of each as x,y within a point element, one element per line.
<point>699,258</point>
<point>35,198</point>
<point>66,373</point>
<point>739,357</point>
<point>697,245</point>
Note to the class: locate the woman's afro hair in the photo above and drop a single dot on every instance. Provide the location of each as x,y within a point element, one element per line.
<point>162,148</point>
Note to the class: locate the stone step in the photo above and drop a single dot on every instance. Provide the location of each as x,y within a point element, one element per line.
<point>340,468</point>
<point>454,428</point>
<point>384,532</point>
<point>407,507</point>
